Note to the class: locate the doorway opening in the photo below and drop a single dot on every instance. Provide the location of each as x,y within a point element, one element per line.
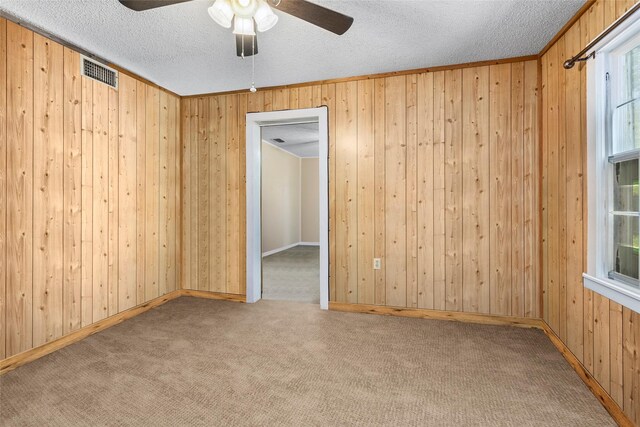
<point>287,231</point>
<point>290,206</point>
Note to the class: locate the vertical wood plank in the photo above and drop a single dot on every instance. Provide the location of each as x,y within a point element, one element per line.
<point>177,194</point>
<point>425,189</point>
<point>163,233</point>
<point>217,195</point>
<point>395,191</point>
<point>193,190</point>
<point>211,130</point>
<point>233,194</point>
<point>305,97</point>
<point>141,189</point>
<point>622,6</point>
<point>48,158</point>
<point>500,175</point>
<point>204,180</point>
<point>574,185</point>
<point>3,186</point>
<point>635,382</point>
<point>242,238</point>
<point>346,173</point>
<point>185,210</point>
<point>365,192</point>
<point>544,170</point>
<point>317,96</point>
<point>127,144</point>
<point>517,189</point>
<point>453,189</point>
<point>475,190</point>
<point>293,98</point>
<point>280,99</point>
<point>248,103</point>
<point>72,217</point>
<point>379,107</point>
<point>630,363</point>
<point>152,193</point>
<point>530,189</point>
<point>255,102</point>
<point>114,179</point>
<point>100,201</point>
<point>609,12</point>
<point>616,376</point>
<point>268,100</point>
<point>562,197</point>
<point>439,208</point>
<point>329,99</point>
<point>412,190</point>
<point>19,189</point>
<point>601,353</point>
<point>173,121</point>
<point>87,201</point>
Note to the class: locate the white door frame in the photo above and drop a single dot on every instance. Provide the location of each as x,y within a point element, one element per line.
<point>254,167</point>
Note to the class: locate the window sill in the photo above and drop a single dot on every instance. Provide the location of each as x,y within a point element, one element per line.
<point>614,290</point>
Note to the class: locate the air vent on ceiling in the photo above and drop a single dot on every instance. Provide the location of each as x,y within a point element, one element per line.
<point>96,71</point>
<point>278,140</point>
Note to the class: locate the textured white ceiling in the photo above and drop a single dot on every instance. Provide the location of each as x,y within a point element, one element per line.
<point>180,48</point>
<point>300,139</point>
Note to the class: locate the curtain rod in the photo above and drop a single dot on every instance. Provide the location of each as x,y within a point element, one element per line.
<point>569,63</point>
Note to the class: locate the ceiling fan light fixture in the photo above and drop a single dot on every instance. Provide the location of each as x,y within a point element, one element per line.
<point>243,26</point>
<point>222,13</point>
<point>244,8</point>
<point>265,18</point>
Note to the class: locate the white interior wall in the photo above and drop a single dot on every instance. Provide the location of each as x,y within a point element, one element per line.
<point>290,199</point>
<point>310,201</point>
<point>280,198</point>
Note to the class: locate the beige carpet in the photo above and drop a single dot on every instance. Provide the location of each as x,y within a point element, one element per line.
<point>201,362</point>
<point>292,275</point>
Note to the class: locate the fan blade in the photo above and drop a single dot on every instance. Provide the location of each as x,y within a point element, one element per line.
<point>250,46</point>
<point>317,15</point>
<point>140,5</point>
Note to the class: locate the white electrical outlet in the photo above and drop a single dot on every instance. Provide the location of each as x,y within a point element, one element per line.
<point>377,264</point>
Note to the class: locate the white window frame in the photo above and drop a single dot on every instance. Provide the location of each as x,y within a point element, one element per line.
<point>600,170</point>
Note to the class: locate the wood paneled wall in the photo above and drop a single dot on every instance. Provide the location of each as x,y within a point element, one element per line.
<point>88,192</point>
<point>602,334</point>
<point>435,173</point>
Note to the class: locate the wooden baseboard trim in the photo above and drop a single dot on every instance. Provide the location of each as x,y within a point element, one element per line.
<point>456,316</point>
<point>598,391</point>
<point>213,295</point>
<point>20,359</point>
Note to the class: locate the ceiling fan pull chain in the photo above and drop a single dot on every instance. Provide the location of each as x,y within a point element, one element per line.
<point>253,65</point>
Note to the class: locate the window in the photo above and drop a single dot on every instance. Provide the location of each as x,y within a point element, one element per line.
<point>613,94</point>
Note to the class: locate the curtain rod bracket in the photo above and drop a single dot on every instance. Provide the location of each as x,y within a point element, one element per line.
<point>569,63</point>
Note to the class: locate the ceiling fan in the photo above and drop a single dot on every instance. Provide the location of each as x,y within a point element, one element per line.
<point>248,16</point>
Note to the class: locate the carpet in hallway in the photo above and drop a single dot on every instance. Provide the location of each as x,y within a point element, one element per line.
<point>292,275</point>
